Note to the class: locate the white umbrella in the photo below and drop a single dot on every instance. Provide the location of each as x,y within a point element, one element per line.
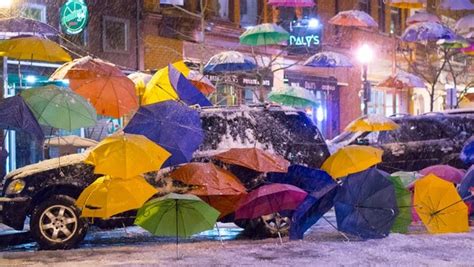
<point>457,5</point>
<point>465,24</point>
<point>422,16</point>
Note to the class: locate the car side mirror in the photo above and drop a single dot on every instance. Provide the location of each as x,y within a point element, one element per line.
<point>362,141</point>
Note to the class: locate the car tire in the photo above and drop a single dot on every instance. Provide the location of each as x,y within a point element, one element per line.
<point>56,223</point>
<point>271,225</point>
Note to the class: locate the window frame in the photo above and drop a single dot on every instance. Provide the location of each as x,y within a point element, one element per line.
<point>126,23</point>
<point>41,7</point>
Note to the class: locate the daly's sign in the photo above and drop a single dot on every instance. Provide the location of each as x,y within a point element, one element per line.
<point>305,37</point>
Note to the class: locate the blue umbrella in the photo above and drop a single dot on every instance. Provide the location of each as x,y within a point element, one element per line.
<point>172,125</point>
<point>186,91</point>
<point>366,205</point>
<point>466,183</point>
<point>308,179</point>
<point>467,152</point>
<point>229,61</point>
<point>16,115</point>
<point>427,31</point>
<point>328,60</point>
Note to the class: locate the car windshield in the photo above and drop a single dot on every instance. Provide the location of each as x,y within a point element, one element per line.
<point>415,130</point>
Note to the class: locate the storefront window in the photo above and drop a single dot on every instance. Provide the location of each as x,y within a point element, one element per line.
<point>365,6</point>
<point>381,11</point>
<point>395,21</point>
<point>248,13</point>
<point>34,11</point>
<point>222,9</point>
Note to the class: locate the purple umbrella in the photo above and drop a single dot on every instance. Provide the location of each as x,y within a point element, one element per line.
<point>422,16</point>
<point>328,60</point>
<point>427,31</point>
<point>445,172</point>
<point>19,25</point>
<point>456,5</point>
<point>291,3</point>
<point>16,115</point>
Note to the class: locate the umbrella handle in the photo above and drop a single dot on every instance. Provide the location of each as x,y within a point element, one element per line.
<point>341,233</point>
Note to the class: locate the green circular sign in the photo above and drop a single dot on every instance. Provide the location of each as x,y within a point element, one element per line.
<point>74,16</point>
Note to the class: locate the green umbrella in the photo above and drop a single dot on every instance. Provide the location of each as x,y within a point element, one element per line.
<point>403,196</point>
<point>60,108</point>
<point>407,178</point>
<point>264,34</point>
<point>293,97</point>
<point>176,215</point>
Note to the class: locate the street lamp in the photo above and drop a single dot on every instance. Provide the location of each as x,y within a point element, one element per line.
<point>365,56</point>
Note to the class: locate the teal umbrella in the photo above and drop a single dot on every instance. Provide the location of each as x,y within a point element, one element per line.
<point>264,34</point>
<point>59,108</point>
<point>403,196</point>
<point>293,96</point>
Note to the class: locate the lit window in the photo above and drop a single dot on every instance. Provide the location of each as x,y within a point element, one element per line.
<point>115,34</point>
<point>34,11</point>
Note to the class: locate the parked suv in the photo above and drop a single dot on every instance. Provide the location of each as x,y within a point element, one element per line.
<point>421,141</point>
<point>46,192</point>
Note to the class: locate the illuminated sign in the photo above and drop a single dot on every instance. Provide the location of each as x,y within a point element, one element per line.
<point>74,16</point>
<point>305,36</point>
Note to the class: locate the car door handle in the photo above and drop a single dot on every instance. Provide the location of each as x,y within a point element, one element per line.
<point>447,149</point>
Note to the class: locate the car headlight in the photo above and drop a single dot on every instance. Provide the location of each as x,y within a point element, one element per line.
<point>15,187</point>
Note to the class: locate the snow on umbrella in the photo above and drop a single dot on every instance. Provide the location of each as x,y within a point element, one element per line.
<point>407,3</point>
<point>293,96</point>
<point>422,16</point>
<point>254,159</point>
<point>404,205</point>
<point>328,60</point>
<point>73,141</point>
<point>407,178</point>
<point>264,34</point>
<point>201,82</point>
<point>457,5</point>
<point>23,26</point>
<point>140,80</point>
<point>445,172</point>
<point>427,31</point>
<point>355,18</point>
<point>467,152</point>
<point>366,205</point>
<point>173,126</point>
<point>291,3</point>
<point>306,178</point>
<point>465,24</point>
<point>33,48</point>
<point>371,123</point>
<point>229,61</point>
<point>402,80</point>
<point>16,115</point>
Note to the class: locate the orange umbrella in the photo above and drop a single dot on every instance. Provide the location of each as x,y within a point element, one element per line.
<point>218,187</point>
<point>102,83</point>
<point>201,82</point>
<point>254,159</point>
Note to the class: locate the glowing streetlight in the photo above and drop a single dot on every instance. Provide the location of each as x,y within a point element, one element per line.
<point>365,55</point>
<point>6,3</point>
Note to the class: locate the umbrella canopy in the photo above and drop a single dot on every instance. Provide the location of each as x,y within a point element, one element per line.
<point>445,172</point>
<point>404,205</point>
<point>202,83</point>
<point>293,96</point>
<point>59,108</point>
<point>109,196</point>
<point>33,48</point>
<point>439,206</point>
<point>16,115</point>
<point>407,3</point>
<point>172,125</point>
<point>456,43</point>
<point>328,59</point>
<point>355,18</point>
<point>465,24</point>
<point>70,141</point>
<point>229,61</point>
<point>254,159</point>
<point>23,26</point>
<point>457,5</point>
<point>465,189</point>
<point>159,88</point>
<point>422,16</point>
<point>102,83</point>
<point>269,199</point>
<point>402,80</point>
<point>366,205</point>
<point>427,31</point>
<point>126,156</point>
<point>468,50</point>
<point>372,123</point>
<point>264,34</point>
<point>291,3</point>
<point>176,215</point>
<point>306,178</point>
<point>467,152</point>
<point>140,80</point>
<point>351,159</point>
<point>407,178</point>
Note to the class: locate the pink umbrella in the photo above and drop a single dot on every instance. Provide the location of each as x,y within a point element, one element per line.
<point>465,24</point>
<point>292,3</point>
<point>469,50</point>
<point>355,18</point>
<point>445,172</point>
<point>422,16</point>
<point>457,5</point>
<point>269,199</point>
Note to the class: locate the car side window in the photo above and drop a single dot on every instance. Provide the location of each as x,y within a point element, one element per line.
<point>413,131</point>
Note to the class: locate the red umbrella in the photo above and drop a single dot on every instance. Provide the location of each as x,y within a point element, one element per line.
<point>354,18</point>
<point>254,159</point>
<point>269,199</point>
<point>445,172</point>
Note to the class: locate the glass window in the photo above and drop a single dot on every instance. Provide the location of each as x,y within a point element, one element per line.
<point>395,21</point>
<point>381,11</point>
<point>248,13</point>
<point>115,34</point>
<point>364,5</point>
<point>222,9</point>
<point>414,130</point>
<point>249,96</point>
<point>34,11</point>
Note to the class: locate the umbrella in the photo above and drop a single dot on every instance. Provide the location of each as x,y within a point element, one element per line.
<point>354,18</point>
<point>254,159</point>
<point>173,126</point>
<point>102,83</point>
<point>439,206</point>
<point>202,83</point>
<point>59,108</point>
<point>372,123</point>
<point>366,205</point>
<point>176,215</point>
<point>403,196</point>
<point>33,48</point>
<point>422,16</point>
<point>20,25</point>
<point>264,34</point>
<point>108,196</point>
<point>465,189</point>
<point>456,43</point>
<point>291,3</point>
<point>407,3</point>
<point>467,152</point>
<point>465,24</point>
<point>306,178</point>
<point>70,141</point>
<point>15,114</point>
<point>407,178</point>
<point>457,5</point>
<point>351,159</point>
<point>185,90</point>
<point>427,31</point>
<point>445,172</point>
<point>229,61</point>
<point>293,96</point>
<point>140,80</point>
<point>402,80</point>
<point>126,156</point>
<point>328,59</point>
<point>218,187</point>
<point>269,199</point>
<point>468,50</point>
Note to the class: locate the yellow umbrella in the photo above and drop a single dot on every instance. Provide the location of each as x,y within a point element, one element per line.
<point>33,48</point>
<point>109,196</point>
<point>407,3</point>
<point>372,123</point>
<point>127,155</point>
<point>439,206</point>
<point>351,159</point>
<point>159,88</point>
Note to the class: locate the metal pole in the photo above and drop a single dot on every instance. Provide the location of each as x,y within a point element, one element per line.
<point>366,88</point>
